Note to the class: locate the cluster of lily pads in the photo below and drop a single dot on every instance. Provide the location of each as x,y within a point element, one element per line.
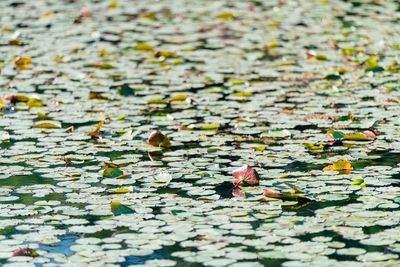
<point>199,133</point>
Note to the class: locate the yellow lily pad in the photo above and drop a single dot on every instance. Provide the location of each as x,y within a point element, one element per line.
<point>356,137</point>
<point>340,165</point>
<point>144,47</point>
<point>48,125</point>
<point>180,97</point>
<point>243,93</point>
<point>34,102</point>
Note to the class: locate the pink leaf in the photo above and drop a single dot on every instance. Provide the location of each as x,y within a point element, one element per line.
<point>370,134</point>
<point>245,175</point>
<point>85,12</point>
<point>272,194</point>
<point>236,192</point>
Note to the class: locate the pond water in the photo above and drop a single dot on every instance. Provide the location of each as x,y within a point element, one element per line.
<point>303,93</point>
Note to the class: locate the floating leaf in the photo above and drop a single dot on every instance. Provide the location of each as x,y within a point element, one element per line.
<point>23,62</point>
<point>125,90</point>
<point>34,102</point>
<point>315,147</point>
<point>180,97</point>
<point>237,193</point>
<point>340,165</point>
<point>113,4</point>
<point>243,94</point>
<point>337,135</point>
<point>357,137</point>
<point>102,66</point>
<point>166,54</point>
<point>117,208</point>
<point>157,101</point>
<point>96,95</point>
<point>286,196</point>
<point>164,178</point>
<point>359,182</point>
<point>226,16</point>
<point>111,172</point>
<point>150,16</point>
<point>245,176</point>
<point>333,77</point>
<point>120,191</point>
<point>48,125</point>
<point>156,138</point>
<point>370,134</point>
<point>16,98</point>
<point>204,127</point>
<point>144,47</point>
<point>26,251</point>
<point>85,13</point>
<point>259,148</point>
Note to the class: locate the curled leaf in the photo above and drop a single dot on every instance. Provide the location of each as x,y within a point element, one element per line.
<point>237,193</point>
<point>272,194</point>
<point>245,176</point>
<point>286,196</point>
<point>340,165</point>
<point>335,135</point>
<point>95,134</point>
<point>370,134</point>
<point>117,208</point>
<point>359,182</point>
<point>156,138</point>
<point>26,251</point>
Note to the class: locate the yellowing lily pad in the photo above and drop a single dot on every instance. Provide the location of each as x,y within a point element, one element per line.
<point>340,165</point>
<point>180,97</point>
<point>144,47</point>
<point>48,125</point>
<point>357,137</point>
<point>243,93</point>
<point>34,102</point>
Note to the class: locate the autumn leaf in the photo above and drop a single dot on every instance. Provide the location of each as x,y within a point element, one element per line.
<point>245,176</point>
<point>26,251</point>
<point>95,134</point>
<point>156,138</point>
<point>340,165</point>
